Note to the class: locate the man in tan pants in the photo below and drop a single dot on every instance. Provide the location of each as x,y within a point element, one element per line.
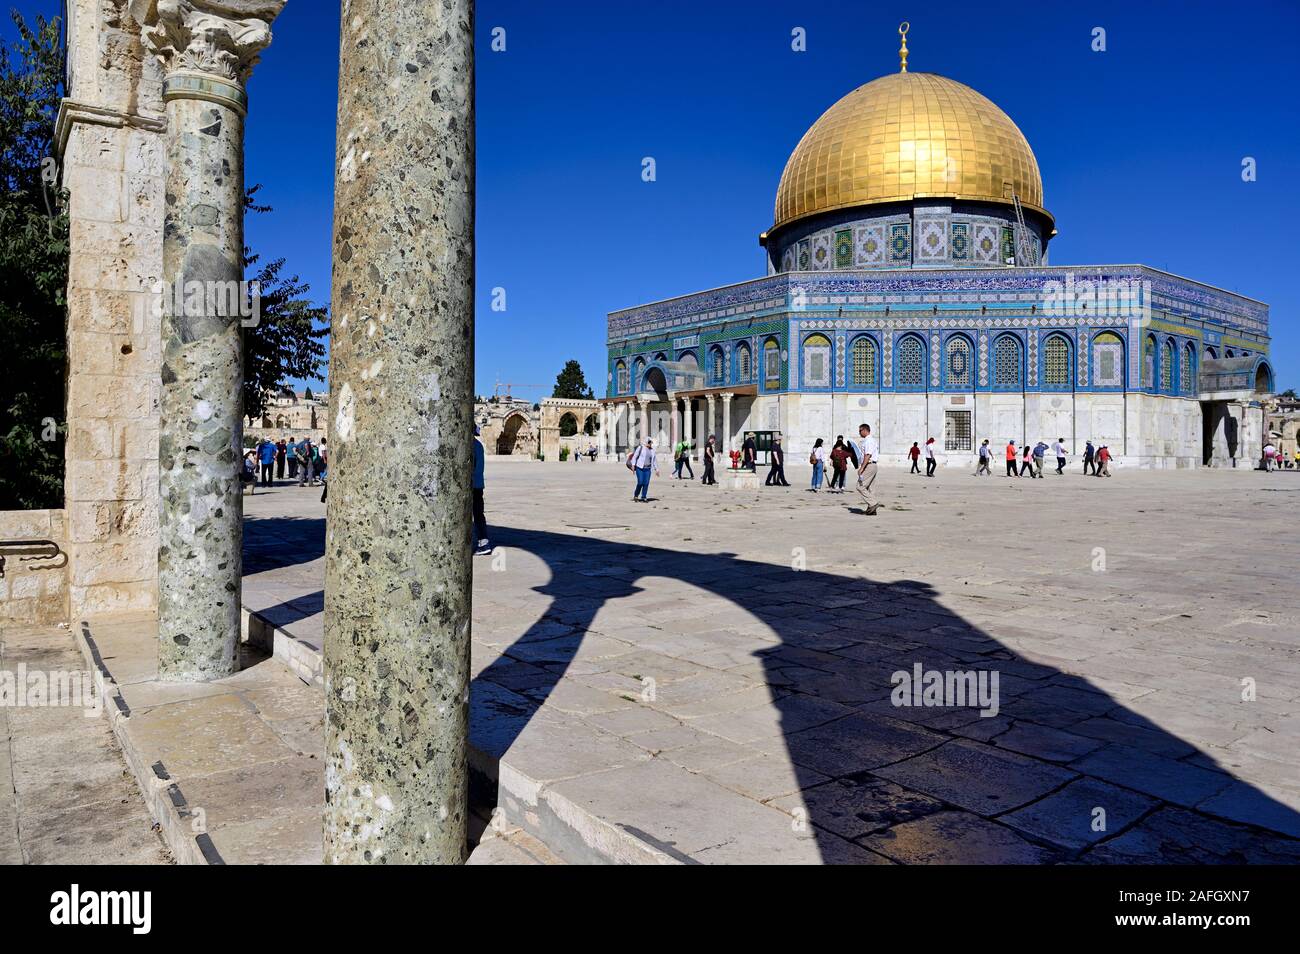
<point>868,451</point>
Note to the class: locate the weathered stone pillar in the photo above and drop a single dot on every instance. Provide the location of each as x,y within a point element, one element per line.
<point>688,425</point>
<point>674,428</point>
<point>726,422</point>
<point>398,539</point>
<point>643,424</point>
<point>208,49</point>
<point>708,426</point>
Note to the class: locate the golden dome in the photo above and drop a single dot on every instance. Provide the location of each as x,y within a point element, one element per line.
<point>908,136</point>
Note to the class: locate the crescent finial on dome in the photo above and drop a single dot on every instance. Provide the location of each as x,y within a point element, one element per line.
<point>902,50</point>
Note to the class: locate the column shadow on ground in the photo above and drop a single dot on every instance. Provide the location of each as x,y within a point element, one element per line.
<point>919,784</point>
<point>915,784</point>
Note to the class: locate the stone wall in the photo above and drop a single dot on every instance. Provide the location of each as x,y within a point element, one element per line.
<point>34,591</point>
<point>110,132</point>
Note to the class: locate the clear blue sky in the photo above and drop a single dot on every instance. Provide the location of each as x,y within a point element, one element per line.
<point>1140,147</point>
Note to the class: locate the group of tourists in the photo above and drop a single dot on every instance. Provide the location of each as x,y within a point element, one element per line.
<point>861,454</point>
<point>307,463</point>
<point>1274,459</point>
<point>1028,461</point>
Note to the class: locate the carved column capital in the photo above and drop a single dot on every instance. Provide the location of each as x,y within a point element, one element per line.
<point>208,48</point>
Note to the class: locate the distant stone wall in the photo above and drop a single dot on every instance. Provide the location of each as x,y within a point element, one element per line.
<point>34,591</point>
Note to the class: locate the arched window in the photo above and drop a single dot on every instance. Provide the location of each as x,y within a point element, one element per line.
<point>771,364</point>
<point>638,373</point>
<point>1167,368</point>
<point>1056,362</point>
<point>716,364</point>
<point>1211,354</point>
<point>620,375</point>
<point>817,361</point>
<point>1007,365</point>
<point>661,356</point>
<point>911,362</point>
<point>958,358</point>
<point>1107,360</point>
<point>1228,353</point>
<point>1149,362</point>
<point>744,363</point>
<point>1185,360</point>
<point>864,361</point>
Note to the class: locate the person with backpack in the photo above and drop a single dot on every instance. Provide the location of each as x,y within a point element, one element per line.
<point>818,460</point>
<point>641,462</point>
<point>303,454</point>
<point>266,455</point>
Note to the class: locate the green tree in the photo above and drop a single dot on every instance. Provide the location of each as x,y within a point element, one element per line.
<point>307,395</point>
<point>287,340</point>
<point>33,271</point>
<point>571,384</point>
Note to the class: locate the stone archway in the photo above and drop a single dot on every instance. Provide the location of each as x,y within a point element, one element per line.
<point>553,410</point>
<point>516,436</point>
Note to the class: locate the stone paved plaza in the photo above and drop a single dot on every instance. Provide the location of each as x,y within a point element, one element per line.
<point>707,678</point>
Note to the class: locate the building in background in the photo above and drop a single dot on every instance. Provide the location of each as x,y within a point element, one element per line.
<point>908,287</point>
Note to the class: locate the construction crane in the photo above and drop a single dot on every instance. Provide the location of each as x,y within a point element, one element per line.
<point>496,391</point>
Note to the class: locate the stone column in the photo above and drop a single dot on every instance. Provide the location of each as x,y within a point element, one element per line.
<point>726,422</point>
<point>688,434</point>
<point>643,425</point>
<point>207,56</point>
<point>708,424</point>
<point>674,424</point>
<point>398,540</point>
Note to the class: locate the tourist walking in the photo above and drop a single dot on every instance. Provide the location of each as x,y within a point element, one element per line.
<point>280,453</point>
<point>1027,462</point>
<point>710,451</point>
<point>868,450</point>
<point>1040,451</point>
<point>291,452</point>
<point>930,462</point>
<point>986,459</point>
<point>476,485</point>
<point>914,452</point>
<point>839,466</point>
<point>266,454</point>
<point>748,453</point>
<point>642,461</point>
<point>776,468</point>
<point>818,460</point>
<point>1059,450</point>
<point>1011,458</point>
<point>1089,459</point>
<point>851,449</point>
<point>1103,461</point>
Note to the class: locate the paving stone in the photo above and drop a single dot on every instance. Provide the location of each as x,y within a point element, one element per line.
<point>1179,837</point>
<point>1067,818</point>
<point>854,807</point>
<point>1152,774</point>
<point>1052,745</point>
<point>951,837</point>
<point>858,742</point>
<point>977,777</point>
